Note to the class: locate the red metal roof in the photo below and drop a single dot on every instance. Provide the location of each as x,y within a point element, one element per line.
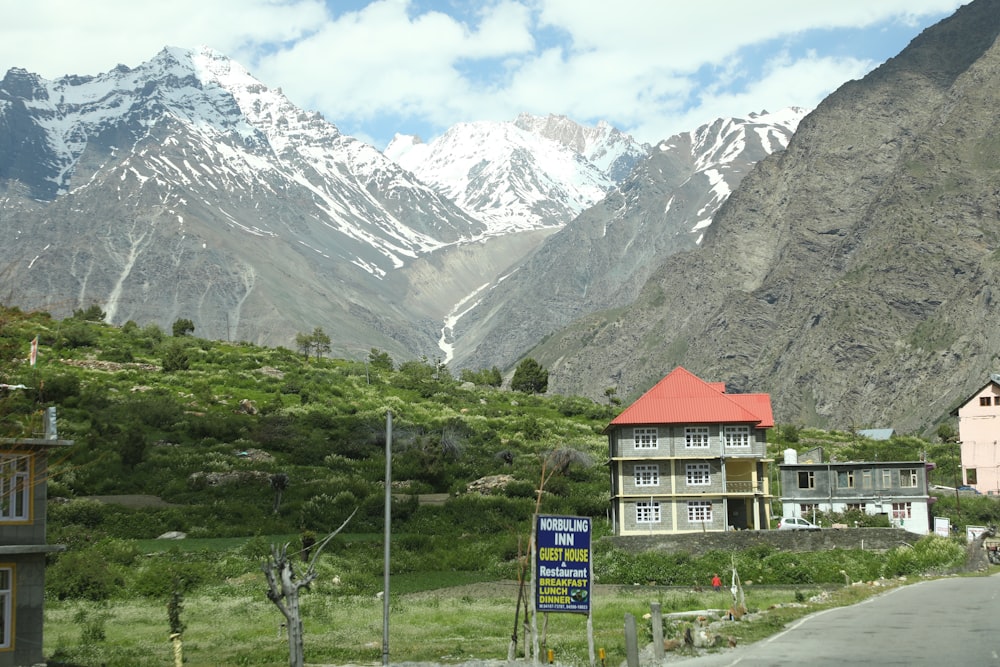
<point>684,398</point>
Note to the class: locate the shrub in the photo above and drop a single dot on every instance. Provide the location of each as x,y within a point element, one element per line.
<point>175,358</point>
<point>83,575</point>
<point>162,575</point>
<point>86,513</point>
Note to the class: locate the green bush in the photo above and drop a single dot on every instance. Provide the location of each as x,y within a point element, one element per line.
<point>82,512</point>
<point>162,574</point>
<point>83,575</point>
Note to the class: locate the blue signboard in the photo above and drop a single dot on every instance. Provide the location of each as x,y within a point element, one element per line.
<point>562,570</point>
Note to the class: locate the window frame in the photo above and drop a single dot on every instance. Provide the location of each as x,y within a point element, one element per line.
<point>901,511</point>
<point>15,487</point>
<point>697,437</point>
<point>984,401</point>
<point>7,606</point>
<point>908,478</point>
<point>699,507</point>
<point>847,476</point>
<point>734,431</point>
<point>809,476</point>
<point>648,511</point>
<point>645,438</point>
<point>698,474</point>
<point>646,474</point>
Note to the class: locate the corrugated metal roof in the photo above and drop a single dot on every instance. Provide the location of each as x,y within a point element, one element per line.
<point>684,398</point>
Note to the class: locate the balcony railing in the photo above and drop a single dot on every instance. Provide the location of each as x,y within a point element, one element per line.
<point>733,486</point>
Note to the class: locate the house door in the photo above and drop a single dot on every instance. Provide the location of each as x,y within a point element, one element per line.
<point>738,514</point>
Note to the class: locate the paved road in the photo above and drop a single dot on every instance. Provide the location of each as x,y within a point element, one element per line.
<point>953,621</point>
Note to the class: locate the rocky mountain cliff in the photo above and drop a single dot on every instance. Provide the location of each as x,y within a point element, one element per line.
<point>851,275</point>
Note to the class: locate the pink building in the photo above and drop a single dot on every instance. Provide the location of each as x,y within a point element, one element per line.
<point>979,432</point>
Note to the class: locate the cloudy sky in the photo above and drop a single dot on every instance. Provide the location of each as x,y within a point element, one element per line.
<point>377,67</point>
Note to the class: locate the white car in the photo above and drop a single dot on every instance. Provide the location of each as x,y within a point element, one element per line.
<point>793,523</point>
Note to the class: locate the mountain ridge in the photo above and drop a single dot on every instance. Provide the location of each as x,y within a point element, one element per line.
<point>850,276</point>
<point>186,188</point>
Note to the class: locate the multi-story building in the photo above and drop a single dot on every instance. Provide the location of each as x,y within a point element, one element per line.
<point>979,433</point>
<point>897,489</point>
<point>23,475</point>
<point>688,457</point>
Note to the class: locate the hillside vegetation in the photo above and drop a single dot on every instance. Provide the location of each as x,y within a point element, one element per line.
<point>241,447</point>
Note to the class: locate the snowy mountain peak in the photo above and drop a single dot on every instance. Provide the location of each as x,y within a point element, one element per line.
<point>530,173</point>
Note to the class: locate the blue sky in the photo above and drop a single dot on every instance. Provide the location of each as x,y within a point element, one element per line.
<point>377,67</point>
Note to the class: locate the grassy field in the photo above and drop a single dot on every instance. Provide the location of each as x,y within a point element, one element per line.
<point>234,624</point>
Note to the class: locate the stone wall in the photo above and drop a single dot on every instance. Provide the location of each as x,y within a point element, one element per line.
<point>876,539</point>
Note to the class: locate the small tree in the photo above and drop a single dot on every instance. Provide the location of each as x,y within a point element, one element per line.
<point>283,586</point>
<point>303,343</point>
<point>380,361</point>
<point>279,482</point>
<point>183,327</point>
<point>530,378</point>
<point>611,393</point>
<point>320,342</point>
<point>91,314</point>
<point>175,358</point>
<point>174,608</point>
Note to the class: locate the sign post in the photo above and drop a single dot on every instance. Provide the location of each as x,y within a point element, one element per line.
<point>564,568</point>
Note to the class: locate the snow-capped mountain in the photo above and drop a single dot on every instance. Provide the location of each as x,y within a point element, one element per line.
<point>258,136</point>
<point>606,147</point>
<point>530,173</point>
<point>604,257</point>
<point>186,188</point>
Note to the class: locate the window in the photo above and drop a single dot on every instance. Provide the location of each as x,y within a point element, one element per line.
<point>696,436</point>
<point>901,510</point>
<point>984,400</point>
<point>699,511</point>
<point>645,438</point>
<point>970,476</point>
<point>845,479</point>
<point>698,474</point>
<point>808,508</point>
<point>807,479</point>
<point>856,507</point>
<point>866,479</point>
<point>908,478</point>
<point>6,604</point>
<point>647,512</point>
<point>15,470</point>
<point>737,436</point>
<point>647,475</point>
<point>886,479</point>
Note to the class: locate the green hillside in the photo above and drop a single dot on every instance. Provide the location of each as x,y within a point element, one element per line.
<point>242,447</point>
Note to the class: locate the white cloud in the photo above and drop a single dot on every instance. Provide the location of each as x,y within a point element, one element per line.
<point>649,66</point>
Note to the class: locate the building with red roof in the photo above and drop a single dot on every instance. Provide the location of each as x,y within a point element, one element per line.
<point>688,457</point>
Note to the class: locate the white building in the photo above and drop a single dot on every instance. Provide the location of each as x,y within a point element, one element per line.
<point>897,489</point>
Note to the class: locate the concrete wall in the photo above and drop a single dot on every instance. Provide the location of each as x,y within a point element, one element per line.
<point>876,539</point>
<point>30,596</point>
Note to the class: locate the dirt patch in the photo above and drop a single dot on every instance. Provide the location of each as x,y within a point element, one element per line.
<point>432,498</point>
<point>133,501</point>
